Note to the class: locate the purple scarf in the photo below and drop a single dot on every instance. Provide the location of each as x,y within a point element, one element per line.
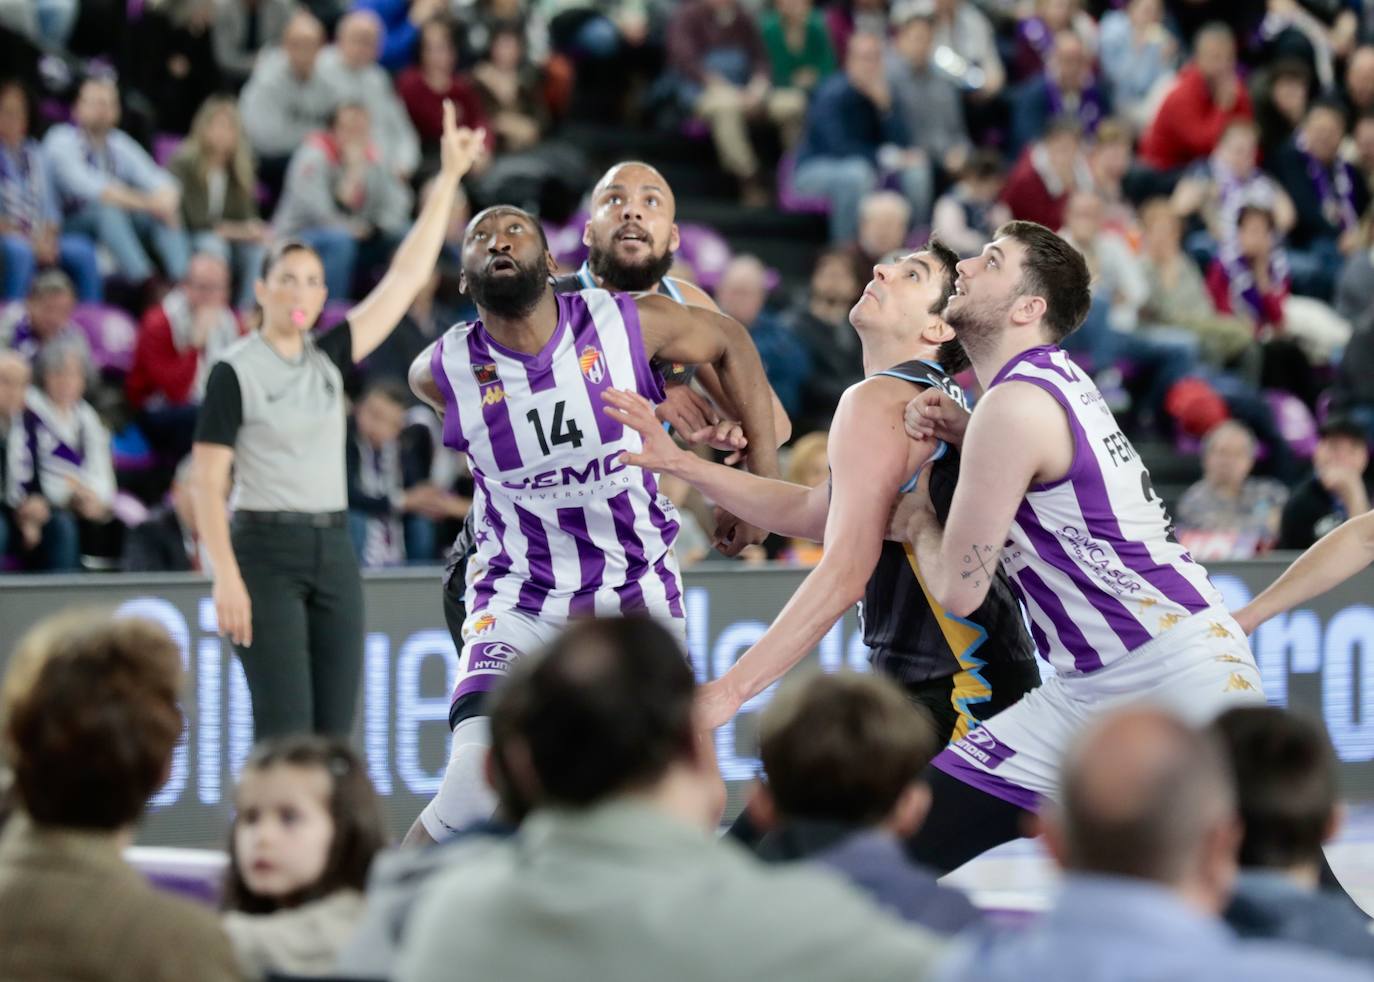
<point>1335,188</point>
<point>22,190</point>
<point>1090,104</point>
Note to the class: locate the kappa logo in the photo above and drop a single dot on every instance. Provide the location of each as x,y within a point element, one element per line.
<point>592,364</point>
<point>485,374</point>
<point>493,395</point>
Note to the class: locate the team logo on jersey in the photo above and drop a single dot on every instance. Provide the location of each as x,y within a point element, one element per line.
<point>592,364</point>
<point>493,395</point>
<point>485,374</point>
<point>482,623</point>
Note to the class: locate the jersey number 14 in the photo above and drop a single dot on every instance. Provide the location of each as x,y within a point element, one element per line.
<point>558,433</point>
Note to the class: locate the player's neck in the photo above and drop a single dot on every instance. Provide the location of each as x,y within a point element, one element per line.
<point>880,354</point>
<point>990,355</point>
<point>527,333</point>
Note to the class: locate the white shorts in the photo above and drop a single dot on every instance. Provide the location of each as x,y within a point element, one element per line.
<point>1199,669</point>
<point>493,639</point>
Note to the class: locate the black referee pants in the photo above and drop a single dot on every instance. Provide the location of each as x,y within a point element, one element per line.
<point>305,663</point>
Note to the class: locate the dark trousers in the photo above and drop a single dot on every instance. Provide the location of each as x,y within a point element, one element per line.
<point>305,663</point>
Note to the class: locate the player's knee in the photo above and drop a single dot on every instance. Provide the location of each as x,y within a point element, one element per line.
<point>464,796</point>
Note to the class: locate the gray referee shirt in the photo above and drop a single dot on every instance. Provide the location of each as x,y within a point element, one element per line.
<point>284,419</point>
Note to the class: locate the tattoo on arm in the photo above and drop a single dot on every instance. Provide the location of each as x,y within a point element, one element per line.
<point>980,564</point>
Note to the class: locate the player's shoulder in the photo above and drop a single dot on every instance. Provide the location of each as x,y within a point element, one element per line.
<point>690,293</point>
<point>876,394</point>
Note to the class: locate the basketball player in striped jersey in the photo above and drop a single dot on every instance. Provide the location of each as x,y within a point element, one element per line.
<point>959,669</point>
<point>563,527</point>
<point>1053,493</point>
<point>632,236</point>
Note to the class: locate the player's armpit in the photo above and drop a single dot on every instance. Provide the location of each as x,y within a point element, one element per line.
<point>422,383</point>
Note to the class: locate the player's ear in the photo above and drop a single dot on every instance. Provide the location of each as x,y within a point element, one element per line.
<point>937,331</point>
<point>551,263</point>
<point>674,237</point>
<point>463,282</point>
<point>587,233</point>
<point>1028,309</point>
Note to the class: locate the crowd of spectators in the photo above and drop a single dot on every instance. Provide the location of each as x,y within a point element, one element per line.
<point>1183,852</point>
<point>1212,160</point>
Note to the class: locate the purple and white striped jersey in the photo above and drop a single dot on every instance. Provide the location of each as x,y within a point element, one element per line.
<point>562,528</point>
<point>1092,555</point>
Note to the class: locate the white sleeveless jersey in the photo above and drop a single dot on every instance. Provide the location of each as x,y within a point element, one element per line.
<point>562,527</point>
<point>1093,555</point>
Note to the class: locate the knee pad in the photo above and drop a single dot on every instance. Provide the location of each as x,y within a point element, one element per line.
<point>464,797</point>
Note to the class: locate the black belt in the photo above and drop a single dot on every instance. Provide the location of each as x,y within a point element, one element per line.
<point>311,519</point>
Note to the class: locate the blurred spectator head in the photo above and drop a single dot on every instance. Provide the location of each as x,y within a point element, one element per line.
<point>217,138</point>
<point>291,291</point>
<point>438,53</point>
<point>631,233</point>
<point>863,59</point>
<point>380,414</point>
<point>16,108</point>
<point>506,261</point>
<point>1228,456</point>
<point>1162,227</point>
<point>1058,15</point>
<point>1323,129</point>
<point>807,461</point>
<point>794,11</point>
<point>608,711</point>
<point>1290,88</point>
<point>307,822</point>
<point>743,289</point>
<point>96,109</point>
<point>1111,151</point>
<point>207,282</point>
<point>351,125</point>
<point>1341,445</point>
<point>14,380</point>
<point>52,298</point>
<point>1063,141</point>
<point>1083,216</point>
<point>302,39</point>
<point>1070,63</point>
<point>1238,148</point>
<point>1214,53</point>
<point>1359,78</point>
<point>1254,232</point>
<point>508,769</point>
<point>91,717</point>
<point>506,49</point>
<point>984,175</point>
<point>1285,784</point>
<point>884,222</point>
<point>60,371</point>
<point>914,21</point>
<point>1145,796</point>
<point>359,39</point>
<point>836,282</point>
<point>847,748</point>
<point>1027,269</point>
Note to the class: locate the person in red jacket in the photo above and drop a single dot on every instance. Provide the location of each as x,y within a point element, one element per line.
<point>178,339</point>
<point>424,87</point>
<point>1250,278</point>
<point>1048,172</point>
<point>1207,96</point>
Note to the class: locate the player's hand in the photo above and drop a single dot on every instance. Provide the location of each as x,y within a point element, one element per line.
<point>716,704</point>
<point>233,609</point>
<point>460,147</point>
<point>659,452</point>
<point>726,434</point>
<point>686,410</point>
<point>733,536</point>
<point>934,415</point>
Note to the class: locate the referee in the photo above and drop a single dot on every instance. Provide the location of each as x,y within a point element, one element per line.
<point>287,589</point>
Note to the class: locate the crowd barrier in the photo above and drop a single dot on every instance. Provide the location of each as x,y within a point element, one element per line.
<point>1318,659</point>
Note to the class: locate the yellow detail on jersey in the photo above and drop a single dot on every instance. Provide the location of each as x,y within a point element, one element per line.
<point>964,638</point>
<point>1146,603</point>
<point>493,395</point>
<point>1169,620</point>
<point>1217,631</point>
<point>1238,683</point>
<point>1230,659</point>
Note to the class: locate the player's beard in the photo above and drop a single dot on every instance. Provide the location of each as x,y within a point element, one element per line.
<point>977,323</point>
<point>628,277</point>
<point>509,295</point>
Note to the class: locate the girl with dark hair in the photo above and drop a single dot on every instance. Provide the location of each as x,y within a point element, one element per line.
<point>287,590</point>
<point>307,824</point>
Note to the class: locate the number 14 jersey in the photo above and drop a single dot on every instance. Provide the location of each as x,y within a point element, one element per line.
<point>562,527</point>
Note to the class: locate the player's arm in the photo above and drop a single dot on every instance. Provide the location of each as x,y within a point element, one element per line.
<point>793,510</point>
<point>869,455</point>
<point>1331,560</point>
<point>1017,435</point>
<point>421,378</point>
<point>377,315</point>
<point>696,336</point>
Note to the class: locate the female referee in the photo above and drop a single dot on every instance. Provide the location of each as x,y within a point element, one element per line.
<point>287,589</point>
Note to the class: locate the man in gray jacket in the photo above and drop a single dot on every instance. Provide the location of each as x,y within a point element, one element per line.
<point>618,876</point>
<point>287,97</point>
<point>342,200</point>
<point>350,66</point>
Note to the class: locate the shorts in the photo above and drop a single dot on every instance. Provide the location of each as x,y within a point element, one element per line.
<point>1200,668</point>
<point>1006,681</point>
<point>492,639</point>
